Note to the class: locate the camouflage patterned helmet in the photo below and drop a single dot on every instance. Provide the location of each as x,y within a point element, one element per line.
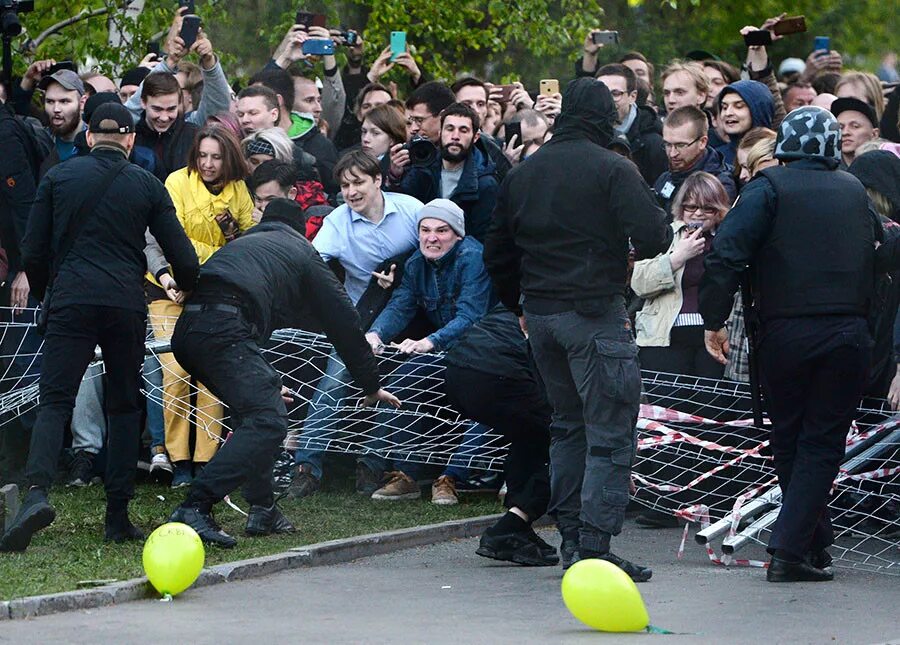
<point>809,132</point>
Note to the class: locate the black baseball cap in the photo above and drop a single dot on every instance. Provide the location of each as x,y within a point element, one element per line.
<point>96,101</point>
<point>111,118</point>
<point>849,104</point>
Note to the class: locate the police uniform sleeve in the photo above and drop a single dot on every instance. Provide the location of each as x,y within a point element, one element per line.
<point>17,189</point>
<point>738,238</point>
<point>340,321</point>
<point>170,235</point>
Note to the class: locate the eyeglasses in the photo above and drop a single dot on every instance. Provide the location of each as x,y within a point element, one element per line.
<point>416,120</point>
<point>693,208</point>
<point>678,147</point>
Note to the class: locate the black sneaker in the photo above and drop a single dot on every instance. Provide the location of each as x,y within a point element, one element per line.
<point>487,482</point>
<point>81,470</point>
<point>204,525</point>
<point>547,550</point>
<point>263,520</point>
<point>635,571</point>
<point>367,480</point>
<point>568,552</point>
<point>35,514</point>
<point>514,547</point>
<point>304,484</point>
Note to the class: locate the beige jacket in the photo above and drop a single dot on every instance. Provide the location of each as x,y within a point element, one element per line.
<point>660,287</point>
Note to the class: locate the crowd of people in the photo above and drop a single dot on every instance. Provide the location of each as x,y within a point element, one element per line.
<point>439,211</point>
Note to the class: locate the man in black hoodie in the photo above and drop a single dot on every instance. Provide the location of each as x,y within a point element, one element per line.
<point>637,122</point>
<point>560,238</point>
<point>270,278</point>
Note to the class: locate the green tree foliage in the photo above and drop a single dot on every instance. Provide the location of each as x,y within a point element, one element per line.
<point>498,39</point>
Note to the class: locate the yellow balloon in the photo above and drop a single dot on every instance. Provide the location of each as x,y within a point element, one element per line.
<point>173,558</point>
<point>602,596</point>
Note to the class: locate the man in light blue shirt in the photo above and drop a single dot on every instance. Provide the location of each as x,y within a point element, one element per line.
<point>370,227</point>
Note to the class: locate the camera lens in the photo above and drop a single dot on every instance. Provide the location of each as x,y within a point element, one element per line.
<point>10,24</point>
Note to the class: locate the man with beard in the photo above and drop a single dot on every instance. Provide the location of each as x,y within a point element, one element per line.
<point>461,173</point>
<point>64,99</point>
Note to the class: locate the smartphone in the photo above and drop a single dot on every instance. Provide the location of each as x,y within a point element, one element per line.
<point>758,38</point>
<point>605,37</point>
<point>505,92</point>
<point>153,48</point>
<point>549,86</point>
<point>822,43</point>
<point>694,225</point>
<point>308,19</point>
<point>792,25</point>
<point>190,28</point>
<point>189,4</point>
<point>513,129</point>
<point>318,47</point>
<point>64,64</point>
<point>398,44</point>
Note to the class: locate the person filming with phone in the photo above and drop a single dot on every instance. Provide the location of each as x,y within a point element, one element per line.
<point>461,172</point>
<point>669,327</point>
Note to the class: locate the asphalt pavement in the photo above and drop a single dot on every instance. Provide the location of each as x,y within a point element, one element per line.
<point>446,594</point>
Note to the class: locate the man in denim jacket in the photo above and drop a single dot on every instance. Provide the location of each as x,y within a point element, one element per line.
<point>446,279</point>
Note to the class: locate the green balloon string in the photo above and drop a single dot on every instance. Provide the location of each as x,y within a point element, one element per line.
<point>167,597</point>
<point>653,629</point>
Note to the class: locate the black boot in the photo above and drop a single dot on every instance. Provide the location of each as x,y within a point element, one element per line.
<point>568,549</point>
<point>262,520</point>
<point>35,514</point>
<point>119,528</point>
<point>781,570</point>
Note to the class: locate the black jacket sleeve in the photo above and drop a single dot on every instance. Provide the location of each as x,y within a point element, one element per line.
<point>17,189</point>
<point>502,257</point>
<point>170,235</point>
<point>737,240</point>
<point>340,321</point>
<point>36,244</point>
<point>635,208</point>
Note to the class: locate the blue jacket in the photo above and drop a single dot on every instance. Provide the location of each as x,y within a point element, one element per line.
<point>762,110</point>
<point>454,292</point>
<point>475,194</point>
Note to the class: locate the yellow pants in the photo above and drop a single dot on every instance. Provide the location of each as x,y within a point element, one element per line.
<point>177,397</point>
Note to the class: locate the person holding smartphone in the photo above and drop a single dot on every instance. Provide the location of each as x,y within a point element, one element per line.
<point>669,328</point>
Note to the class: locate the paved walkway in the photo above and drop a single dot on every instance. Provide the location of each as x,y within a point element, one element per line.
<point>447,594</point>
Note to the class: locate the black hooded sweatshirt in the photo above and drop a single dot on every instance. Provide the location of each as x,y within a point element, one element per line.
<point>564,217</point>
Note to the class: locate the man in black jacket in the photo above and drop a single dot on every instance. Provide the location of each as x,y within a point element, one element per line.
<point>491,379</point>
<point>163,138</point>
<point>19,165</point>
<point>568,257</point>
<point>637,122</point>
<point>807,231</point>
<point>105,264</point>
<point>270,278</point>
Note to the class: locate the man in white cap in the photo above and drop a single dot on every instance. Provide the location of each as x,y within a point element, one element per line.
<point>445,278</point>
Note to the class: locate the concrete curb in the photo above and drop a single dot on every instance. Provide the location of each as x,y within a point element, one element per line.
<point>313,555</point>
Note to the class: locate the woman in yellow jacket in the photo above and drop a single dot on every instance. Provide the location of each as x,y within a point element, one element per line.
<point>214,206</point>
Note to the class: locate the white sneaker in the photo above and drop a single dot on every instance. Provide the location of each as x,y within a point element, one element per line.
<point>161,462</point>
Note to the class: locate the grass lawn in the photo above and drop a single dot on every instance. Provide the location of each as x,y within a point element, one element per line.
<point>72,548</point>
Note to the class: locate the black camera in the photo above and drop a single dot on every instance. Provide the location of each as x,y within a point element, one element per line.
<point>350,38</point>
<point>421,151</point>
<point>9,19</point>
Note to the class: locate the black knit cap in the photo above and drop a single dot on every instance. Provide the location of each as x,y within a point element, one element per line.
<point>134,76</point>
<point>287,211</point>
<point>111,118</point>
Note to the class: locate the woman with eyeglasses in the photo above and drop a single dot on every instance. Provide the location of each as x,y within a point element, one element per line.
<point>669,327</point>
